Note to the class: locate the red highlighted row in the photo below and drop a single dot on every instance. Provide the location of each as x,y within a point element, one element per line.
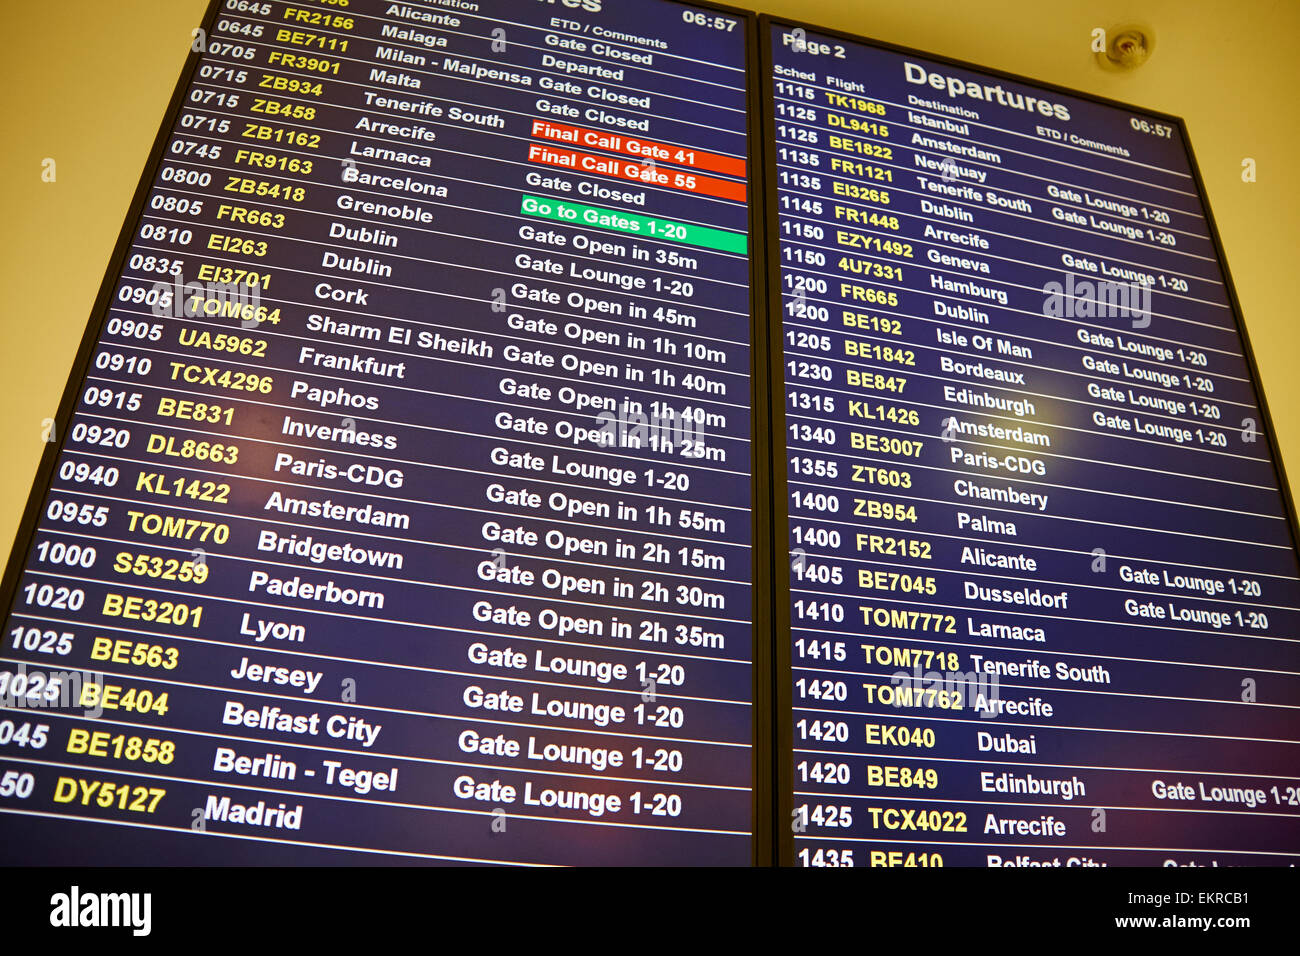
<point>646,149</point>
<point>649,174</point>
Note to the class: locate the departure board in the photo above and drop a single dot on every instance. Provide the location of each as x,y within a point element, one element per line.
<point>579,432</point>
<point>402,508</point>
<point>1043,588</point>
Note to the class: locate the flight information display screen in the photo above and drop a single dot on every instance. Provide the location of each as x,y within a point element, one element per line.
<point>1043,589</point>
<point>419,488</point>
<point>404,512</point>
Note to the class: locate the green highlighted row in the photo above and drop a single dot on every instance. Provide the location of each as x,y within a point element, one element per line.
<point>619,221</point>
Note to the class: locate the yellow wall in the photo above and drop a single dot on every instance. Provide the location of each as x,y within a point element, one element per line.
<point>85,82</point>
